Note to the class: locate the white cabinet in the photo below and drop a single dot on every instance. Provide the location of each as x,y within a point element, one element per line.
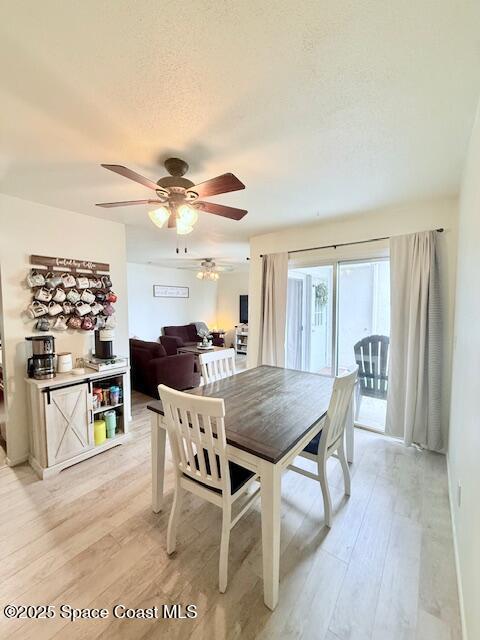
<point>62,419</point>
<point>69,416</point>
<point>241,339</point>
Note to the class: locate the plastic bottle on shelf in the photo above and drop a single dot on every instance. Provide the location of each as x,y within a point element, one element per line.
<point>114,395</point>
<point>110,423</point>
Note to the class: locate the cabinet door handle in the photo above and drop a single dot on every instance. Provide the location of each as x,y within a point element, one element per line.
<point>91,415</point>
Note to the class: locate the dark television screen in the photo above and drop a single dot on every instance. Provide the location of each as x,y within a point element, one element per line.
<point>243,309</point>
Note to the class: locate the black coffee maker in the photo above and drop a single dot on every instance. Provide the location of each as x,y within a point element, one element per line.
<point>41,364</point>
<point>104,344</point>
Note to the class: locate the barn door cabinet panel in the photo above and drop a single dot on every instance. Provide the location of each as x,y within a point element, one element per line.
<point>68,414</point>
<point>61,416</point>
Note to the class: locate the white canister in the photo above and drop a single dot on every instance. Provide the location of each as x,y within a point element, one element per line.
<point>64,362</point>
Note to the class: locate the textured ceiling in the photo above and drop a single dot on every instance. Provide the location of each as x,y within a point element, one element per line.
<point>321,108</point>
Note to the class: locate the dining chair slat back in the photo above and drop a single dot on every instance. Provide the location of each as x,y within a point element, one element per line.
<point>196,432</point>
<point>338,407</point>
<point>216,365</point>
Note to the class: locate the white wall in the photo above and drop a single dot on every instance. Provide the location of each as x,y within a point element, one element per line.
<point>230,287</point>
<point>464,446</point>
<point>385,222</point>
<point>29,228</point>
<point>147,315</point>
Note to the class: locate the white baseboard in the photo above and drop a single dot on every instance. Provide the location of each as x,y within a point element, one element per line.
<point>457,557</point>
<point>16,461</point>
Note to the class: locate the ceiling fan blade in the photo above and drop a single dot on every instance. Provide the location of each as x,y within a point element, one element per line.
<point>127,203</point>
<point>221,184</point>
<point>131,175</point>
<point>221,210</point>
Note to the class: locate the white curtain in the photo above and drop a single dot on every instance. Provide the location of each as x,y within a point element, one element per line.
<point>274,309</point>
<point>414,387</point>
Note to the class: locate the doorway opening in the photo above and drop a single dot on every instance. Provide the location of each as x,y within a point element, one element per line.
<point>338,317</point>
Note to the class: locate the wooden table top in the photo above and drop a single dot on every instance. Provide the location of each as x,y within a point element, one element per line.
<point>198,351</point>
<point>268,409</point>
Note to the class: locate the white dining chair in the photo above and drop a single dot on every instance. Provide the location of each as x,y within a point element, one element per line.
<point>196,432</point>
<point>216,365</point>
<point>330,440</point>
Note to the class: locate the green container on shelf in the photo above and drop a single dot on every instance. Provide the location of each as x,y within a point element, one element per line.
<point>110,418</point>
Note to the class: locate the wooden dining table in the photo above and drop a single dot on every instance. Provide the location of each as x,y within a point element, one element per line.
<point>271,414</point>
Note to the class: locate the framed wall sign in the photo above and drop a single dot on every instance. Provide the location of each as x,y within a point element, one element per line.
<point>164,291</point>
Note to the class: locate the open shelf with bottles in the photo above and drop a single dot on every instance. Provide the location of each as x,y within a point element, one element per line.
<point>107,395</point>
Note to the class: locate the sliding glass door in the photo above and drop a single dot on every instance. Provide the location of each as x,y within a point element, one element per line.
<point>338,317</point>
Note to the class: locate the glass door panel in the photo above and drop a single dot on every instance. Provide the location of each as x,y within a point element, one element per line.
<point>310,321</point>
<point>363,316</point>
<point>320,334</point>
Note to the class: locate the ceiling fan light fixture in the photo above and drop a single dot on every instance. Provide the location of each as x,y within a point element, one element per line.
<point>187,215</point>
<point>159,216</point>
<point>182,228</point>
<point>200,275</point>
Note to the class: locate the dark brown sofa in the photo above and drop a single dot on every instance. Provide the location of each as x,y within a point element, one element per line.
<point>150,365</point>
<point>185,336</point>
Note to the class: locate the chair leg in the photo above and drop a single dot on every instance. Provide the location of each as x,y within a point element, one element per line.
<point>224,544</point>
<point>358,400</point>
<point>346,471</point>
<point>173,520</point>
<point>327,501</point>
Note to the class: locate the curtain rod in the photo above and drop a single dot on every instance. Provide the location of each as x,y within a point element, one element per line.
<point>344,244</point>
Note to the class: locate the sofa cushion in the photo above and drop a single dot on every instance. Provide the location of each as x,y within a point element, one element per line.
<point>155,348</point>
<point>186,332</point>
<point>171,344</point>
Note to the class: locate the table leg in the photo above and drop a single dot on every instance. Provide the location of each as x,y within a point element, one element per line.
<point>158,462</point>
<point>271,478</point>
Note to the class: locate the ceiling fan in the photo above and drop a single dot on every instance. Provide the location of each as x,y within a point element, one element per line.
<point>206,268</point>
<point>178,197</point>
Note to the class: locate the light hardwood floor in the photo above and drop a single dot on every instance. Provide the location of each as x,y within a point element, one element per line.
<point>88,538</point>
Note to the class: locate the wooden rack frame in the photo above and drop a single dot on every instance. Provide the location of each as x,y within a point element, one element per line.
<point>70,265</point>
